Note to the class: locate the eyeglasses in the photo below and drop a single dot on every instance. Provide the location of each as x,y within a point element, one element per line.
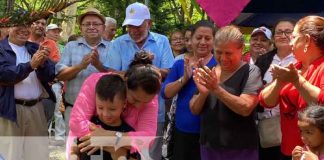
<point>177,39</point>
<point>285,32</point>
<point>91,24</point>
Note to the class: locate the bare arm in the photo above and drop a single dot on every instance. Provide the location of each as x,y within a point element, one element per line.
<point>270,94</point>
<point>197,103</point>
<point>164,72</point>
<point>173,88</point>
<point>290,74</point>
<point>309,92</point>
<point>69,73</point>
<point>101,68</point>
<point>242,105</point>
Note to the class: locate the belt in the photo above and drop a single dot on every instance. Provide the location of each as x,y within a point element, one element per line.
<point>28,103</point>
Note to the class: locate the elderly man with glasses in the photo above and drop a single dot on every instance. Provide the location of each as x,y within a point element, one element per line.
<point>82,57</point>
<point>25,73</point>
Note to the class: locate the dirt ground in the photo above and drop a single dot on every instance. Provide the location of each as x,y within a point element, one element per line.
<point>57,151</point>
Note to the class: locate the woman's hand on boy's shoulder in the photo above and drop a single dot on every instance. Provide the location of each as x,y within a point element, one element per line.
<point>97,131</point>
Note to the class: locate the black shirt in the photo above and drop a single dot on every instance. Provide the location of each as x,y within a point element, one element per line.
<point>221,128</point>
<point>124,127</point>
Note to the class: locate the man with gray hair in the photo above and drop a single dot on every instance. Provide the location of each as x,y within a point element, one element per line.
<point>139,37</point>
<point>110,30</point>
<point>25,73</point>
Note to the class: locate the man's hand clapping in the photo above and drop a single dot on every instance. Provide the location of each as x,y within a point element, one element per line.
<point>39,57</point>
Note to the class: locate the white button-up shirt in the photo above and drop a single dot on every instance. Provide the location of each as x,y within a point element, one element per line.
<point>30,87</point>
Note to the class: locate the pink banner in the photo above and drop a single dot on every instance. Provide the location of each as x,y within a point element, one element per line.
<point>223,12</point>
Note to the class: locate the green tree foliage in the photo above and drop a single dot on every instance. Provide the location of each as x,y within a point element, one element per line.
<point>113,8</point>
<point>27,11</point>
<point>167,15</point>
<point>2,6</point>
<point>247,38</point>
<point>6,6</point>
<point>160,13</point>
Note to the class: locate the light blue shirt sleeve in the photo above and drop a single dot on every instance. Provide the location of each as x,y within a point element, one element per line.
<point>167,57</point>
<point>65,60</point>
<point>105,52</point>
<point>114,60</point>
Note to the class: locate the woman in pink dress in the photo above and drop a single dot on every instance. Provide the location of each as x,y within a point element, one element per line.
<point>143,83</point>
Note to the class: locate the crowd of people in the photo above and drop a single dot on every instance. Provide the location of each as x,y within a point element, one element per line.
<point>124,97</point>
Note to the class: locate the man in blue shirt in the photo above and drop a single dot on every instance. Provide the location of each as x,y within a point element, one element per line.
<point>139,37</point>
<point>25,72</point>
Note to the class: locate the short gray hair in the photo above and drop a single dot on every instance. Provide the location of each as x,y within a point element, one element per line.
<point>110,20</point>
<point>229,33</point>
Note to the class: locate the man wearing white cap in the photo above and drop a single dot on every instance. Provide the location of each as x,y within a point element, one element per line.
<point>38,29</point>
<point>260,43</point>
<point>122,51</point>
<point>53,32</point>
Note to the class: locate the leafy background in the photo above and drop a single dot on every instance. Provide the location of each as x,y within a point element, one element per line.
<point>167,15</point>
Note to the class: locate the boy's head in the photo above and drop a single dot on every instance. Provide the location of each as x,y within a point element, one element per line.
<point>110,98</point>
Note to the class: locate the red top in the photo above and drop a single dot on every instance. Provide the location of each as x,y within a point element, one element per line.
<point>54,53</point>
<point>291,101</point>
<point>246,57</point>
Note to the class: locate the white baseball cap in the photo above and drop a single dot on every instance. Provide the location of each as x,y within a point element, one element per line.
<point>136,13</point>
<point>53,26</point>
<point>263,30</point>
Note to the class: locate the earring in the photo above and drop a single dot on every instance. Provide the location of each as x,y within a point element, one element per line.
<point>305,49</point>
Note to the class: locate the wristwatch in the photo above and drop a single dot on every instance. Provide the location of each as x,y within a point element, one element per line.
<point>118,137</point>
